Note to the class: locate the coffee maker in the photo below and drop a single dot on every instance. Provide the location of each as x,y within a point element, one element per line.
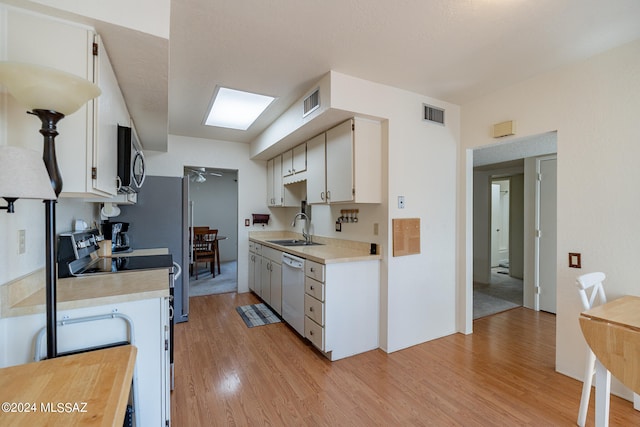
<point>117,233</point>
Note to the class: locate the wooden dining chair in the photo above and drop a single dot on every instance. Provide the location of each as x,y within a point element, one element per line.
<point>204,241</point>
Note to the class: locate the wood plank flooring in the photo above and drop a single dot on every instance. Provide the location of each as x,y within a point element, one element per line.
<point>501,375</point>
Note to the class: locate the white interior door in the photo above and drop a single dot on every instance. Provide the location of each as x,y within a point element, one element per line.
<point>495,224</point>
<point>546,233</point>
<point>499,222</point>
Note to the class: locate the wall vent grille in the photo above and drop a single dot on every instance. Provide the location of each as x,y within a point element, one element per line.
<point>311,103</point>
<point>432,114</point>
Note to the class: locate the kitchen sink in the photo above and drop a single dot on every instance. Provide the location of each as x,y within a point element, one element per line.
<point>293,242</point>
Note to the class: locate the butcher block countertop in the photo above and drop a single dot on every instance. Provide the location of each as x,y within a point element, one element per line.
<point>26,295</point>
<point>331,251</point>
<point>86,389</point>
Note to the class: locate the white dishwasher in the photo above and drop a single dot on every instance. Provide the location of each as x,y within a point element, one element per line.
<point>293,291</point>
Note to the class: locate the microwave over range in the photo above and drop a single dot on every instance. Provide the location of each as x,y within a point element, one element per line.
<point>131,171</point>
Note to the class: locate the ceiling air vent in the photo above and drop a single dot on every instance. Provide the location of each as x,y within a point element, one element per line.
<point>311,103</point>
<point>432,114</point>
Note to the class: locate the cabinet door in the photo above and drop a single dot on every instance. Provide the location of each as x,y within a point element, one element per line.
<point>110,112</point>
<point>300,158</point>
<point>276,287</point>
<point>265,280</point>
<point>270,171</point>
<point>278,188</point>
<point>252,274</point>
<point>53,43</point>
<point>316,184</point>
<point>274,182</point>
<point>257,275</point>
<point>340,187</point>
<point>287,163</point>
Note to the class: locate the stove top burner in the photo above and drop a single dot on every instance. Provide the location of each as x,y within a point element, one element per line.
<point>119,264</point>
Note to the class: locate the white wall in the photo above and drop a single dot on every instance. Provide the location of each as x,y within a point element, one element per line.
<point>417,291</point>
<point>594,107</point>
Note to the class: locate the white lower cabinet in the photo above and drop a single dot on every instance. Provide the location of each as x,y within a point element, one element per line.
<point>271,278</point>
<point>150,319</point>
<point>255,265</point>
<point>342,307</point>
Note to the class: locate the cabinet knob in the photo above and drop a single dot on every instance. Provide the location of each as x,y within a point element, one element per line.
<point>310,308</point>
<point>310,332</point>
<point>312,287</point>
<point>312,270</point>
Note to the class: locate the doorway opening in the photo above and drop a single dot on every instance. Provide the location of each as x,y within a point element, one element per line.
<point>498,209</point>
<point>503,210</point>
<point>213,202</point>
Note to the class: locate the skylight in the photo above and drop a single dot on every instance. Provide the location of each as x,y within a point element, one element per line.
<point>236,109</point>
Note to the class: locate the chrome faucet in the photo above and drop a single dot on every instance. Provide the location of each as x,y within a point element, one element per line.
<point>305,230</point>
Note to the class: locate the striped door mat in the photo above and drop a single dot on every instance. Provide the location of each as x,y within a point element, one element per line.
<point>257,315</point>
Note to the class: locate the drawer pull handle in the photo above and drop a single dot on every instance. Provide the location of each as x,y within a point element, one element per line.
<point>310,332</point>
<point>310,308</point>
<point>312,287</point>
<point>312,270</point>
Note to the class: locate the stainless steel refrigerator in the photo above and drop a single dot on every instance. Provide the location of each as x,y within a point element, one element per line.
<point>158,221</point>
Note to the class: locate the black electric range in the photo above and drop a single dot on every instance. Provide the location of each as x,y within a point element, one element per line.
<point>77,256</point>
<point>125,263</point>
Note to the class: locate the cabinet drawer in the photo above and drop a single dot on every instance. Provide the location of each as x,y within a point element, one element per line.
<point>314,333</point>
<point>257,248</point>
<point>273,254</point>
<point>314,270</point>
<point>314,288</point>
<point>314,309</point>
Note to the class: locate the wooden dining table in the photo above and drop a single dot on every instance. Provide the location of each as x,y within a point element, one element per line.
<point>217,248</point>
<point>612,330</point>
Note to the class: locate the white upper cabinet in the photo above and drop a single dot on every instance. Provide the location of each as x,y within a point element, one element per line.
<point>294,161</point>
<point>274,182</point>
<point>110,111</point>
<point>316,173</point>
<point>86,147</point>
<point>353,164</point>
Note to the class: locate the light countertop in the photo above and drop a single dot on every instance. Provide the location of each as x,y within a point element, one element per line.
<point>26,295</point>
<point>331,251</point>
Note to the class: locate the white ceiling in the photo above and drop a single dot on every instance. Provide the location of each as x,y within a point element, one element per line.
<point>453,50</point>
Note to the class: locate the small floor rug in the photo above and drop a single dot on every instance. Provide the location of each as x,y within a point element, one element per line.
<point>257,315</point>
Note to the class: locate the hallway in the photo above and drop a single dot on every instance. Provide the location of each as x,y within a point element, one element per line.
<point>502,293</point>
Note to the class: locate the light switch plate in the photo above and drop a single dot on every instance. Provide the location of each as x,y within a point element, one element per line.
<point>400,202</point>
<point>575,260</point>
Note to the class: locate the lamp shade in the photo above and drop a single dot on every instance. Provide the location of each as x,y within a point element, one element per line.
<point>43,88</point>
<point>23,174</point>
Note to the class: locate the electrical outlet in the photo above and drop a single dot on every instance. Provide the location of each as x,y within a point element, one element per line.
<point>22,241</point>
<point>246,222</point>
<point>400,202</point>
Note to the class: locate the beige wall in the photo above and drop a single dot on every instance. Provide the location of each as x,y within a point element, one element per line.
<point>594,105</point>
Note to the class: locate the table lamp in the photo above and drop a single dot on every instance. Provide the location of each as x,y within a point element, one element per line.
<point>49,94</point>
<point>23,175</point>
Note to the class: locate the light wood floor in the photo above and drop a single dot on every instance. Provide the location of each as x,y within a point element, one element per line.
<point>501,375</point>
